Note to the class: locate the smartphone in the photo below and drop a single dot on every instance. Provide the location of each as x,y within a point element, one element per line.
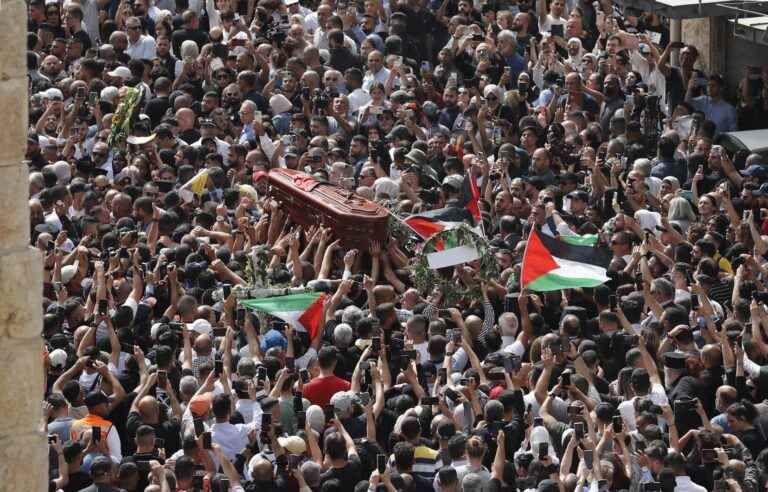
<point>411,354</point>
<point>512,363</point>
<point>266,420</point>
<point>444,313</point>
<point>543,450</point>
<point>708,456</point>
<point>261,374</point>
<point>443,376</point>
<point>96,433</point>
<point>452,395</point>
<point>364,397</point>
<point>589,458</point>
<point>162,378</point>
<point>80,93</point>
<point>375,345</point>
<point>240,316</point>
<point>617,423</point>
<point>301,420</point>
<point>52,438</point>
<point>695,303</point>
<point>298,403</point>
<point>304,374</point>
<point>329,412</point>
<point>578,428</point>
<point>565,379</point>
<point>218,366</point>
<point>123,254</point>
<point>93,98</point>
<point>159,443</point>
<point>103,306</point>
<point>199,427</point>
<point>290,364</point>
<point>381,463</point>
<point>226,289</point>
<point>612,301</point>
<point>429,400</point>
<point>207,444</point>
<point>538,422</point>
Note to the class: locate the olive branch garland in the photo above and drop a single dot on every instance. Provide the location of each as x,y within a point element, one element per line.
<point>426,279</point>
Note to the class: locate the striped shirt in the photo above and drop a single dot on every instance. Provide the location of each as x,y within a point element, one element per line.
<point>426,462</point>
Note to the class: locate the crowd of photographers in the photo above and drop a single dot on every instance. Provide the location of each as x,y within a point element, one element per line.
<point>571,119</point>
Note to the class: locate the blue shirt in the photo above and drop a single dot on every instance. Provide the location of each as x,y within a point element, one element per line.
<point>720,112</point>
<point>247,134</point>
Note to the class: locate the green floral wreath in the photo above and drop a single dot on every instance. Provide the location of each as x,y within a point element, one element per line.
<point>425,279</point>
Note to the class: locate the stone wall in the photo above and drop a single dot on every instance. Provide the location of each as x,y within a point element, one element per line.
<point>709,36</point>
<point>23,451</point>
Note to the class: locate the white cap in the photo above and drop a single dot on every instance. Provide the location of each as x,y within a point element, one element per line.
<point>122,72</point>
<point>67,272</point>
<point>201,326</point>
<point>279,104</point>
<point>109,94</point>
<point>62,171</point>
<point>58,358</point>
<point>52,93</point>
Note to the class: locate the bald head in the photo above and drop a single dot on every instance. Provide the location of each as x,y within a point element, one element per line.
<point>149,410</point>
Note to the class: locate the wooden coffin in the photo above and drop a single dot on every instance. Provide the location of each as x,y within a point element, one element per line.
<point>309,202</point>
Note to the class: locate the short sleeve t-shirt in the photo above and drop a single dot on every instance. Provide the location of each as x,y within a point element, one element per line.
<point>320,390</point>
<point>349,476</point>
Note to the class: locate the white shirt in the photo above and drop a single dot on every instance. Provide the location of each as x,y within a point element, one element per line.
<point>653,78</point>
<point>142,49</point>
<point>357,99</point>
<point>380,76</point>
<point>222,147</point>
<point>627,408</point>
<point>685,484</point>
<point>512,346</point>
<point>232,438</point>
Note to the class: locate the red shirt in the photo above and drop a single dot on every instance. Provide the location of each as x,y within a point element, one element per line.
<point>320,390</point>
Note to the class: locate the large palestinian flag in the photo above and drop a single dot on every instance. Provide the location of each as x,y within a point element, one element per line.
<point>564,262</point>
<point>302,311</point>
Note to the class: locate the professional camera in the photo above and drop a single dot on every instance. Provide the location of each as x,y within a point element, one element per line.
<point>320,99</point>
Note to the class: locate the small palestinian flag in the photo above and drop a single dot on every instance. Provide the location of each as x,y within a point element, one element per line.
<point>564,262</point>
<point>302,311</point>
<point>429,223</point>
<point>470,195</point>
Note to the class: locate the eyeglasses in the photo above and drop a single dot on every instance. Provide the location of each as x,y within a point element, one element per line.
<point>134,28</point>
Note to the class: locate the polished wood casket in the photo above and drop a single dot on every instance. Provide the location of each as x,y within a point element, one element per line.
<point>308,201</point>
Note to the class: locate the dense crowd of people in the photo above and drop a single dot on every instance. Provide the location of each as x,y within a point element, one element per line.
<point>570,118</point>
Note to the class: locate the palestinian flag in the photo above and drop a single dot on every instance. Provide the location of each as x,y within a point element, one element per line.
<point>302,311</point>
<point>429,223</point>
<point>563,262</point>
<point>470,194</point>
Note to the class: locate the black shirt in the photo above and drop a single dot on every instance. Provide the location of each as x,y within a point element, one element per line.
<point>348,476</point>
<point>77,481</point>
<point>179,37</point>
